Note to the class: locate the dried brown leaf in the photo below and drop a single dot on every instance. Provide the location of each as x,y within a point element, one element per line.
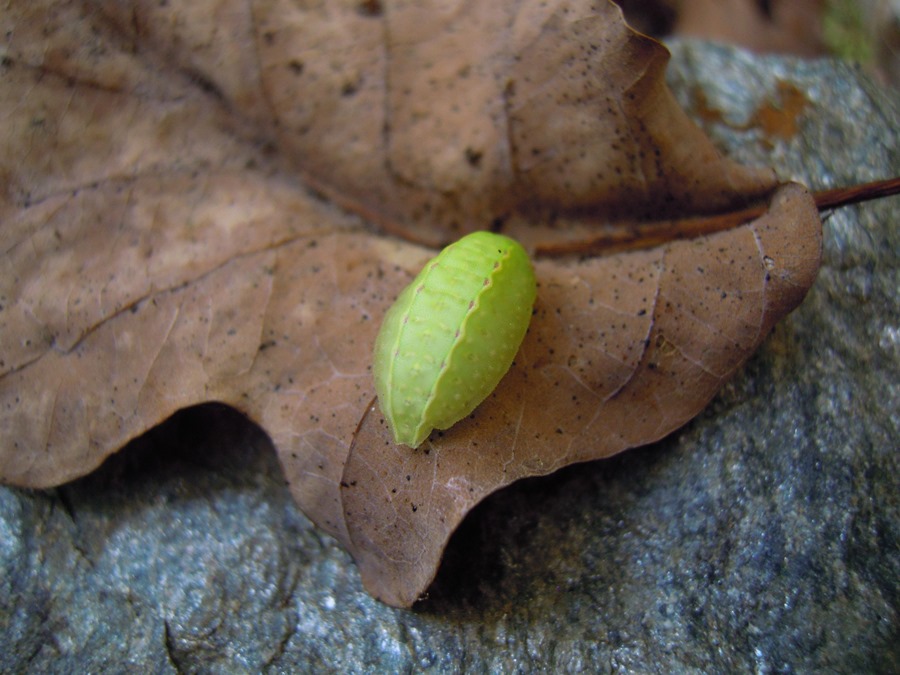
<point>165,240</point>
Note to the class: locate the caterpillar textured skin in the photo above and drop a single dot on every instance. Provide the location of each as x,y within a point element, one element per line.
<point>452,334</point>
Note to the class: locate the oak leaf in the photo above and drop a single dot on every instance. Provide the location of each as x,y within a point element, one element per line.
<point>218,201</point>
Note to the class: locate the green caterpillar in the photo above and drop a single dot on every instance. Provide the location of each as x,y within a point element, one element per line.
<point>452,334</point>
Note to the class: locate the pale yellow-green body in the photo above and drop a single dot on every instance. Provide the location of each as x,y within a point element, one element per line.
<point>452,334</point>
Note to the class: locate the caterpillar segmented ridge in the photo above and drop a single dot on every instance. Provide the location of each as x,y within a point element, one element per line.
<point>452,334</point>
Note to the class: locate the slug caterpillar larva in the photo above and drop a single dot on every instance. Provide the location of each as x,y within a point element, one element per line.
<point>452,334</point>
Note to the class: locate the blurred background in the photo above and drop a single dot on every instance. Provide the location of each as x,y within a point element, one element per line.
<point>863,31</point>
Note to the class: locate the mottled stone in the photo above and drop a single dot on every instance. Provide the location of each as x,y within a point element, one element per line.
<point>764,536</point>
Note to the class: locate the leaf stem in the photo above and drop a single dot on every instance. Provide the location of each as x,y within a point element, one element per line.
<point>647,235</point>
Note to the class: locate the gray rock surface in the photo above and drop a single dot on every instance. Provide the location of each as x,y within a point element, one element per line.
<point>764,536</point>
